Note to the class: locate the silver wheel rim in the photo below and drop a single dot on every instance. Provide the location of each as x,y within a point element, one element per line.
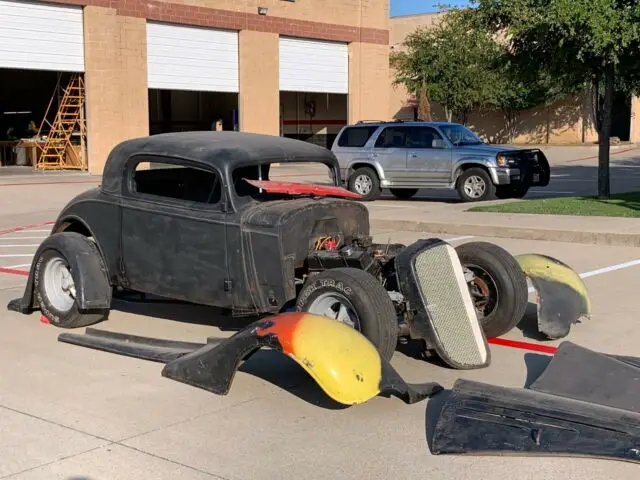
<point>58,285</point>
<point>337,307</point>
<point>362,184</point>
<point>474,186</point>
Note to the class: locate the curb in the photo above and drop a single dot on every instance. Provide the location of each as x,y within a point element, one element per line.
<point>570,236</point>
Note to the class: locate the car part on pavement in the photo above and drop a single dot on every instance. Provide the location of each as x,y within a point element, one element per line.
<point>584,404</point>
<point>563,299</point>
<point>430,275</point>
<point>342,361</point>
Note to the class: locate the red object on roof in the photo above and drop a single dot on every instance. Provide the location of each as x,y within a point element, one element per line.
<point>294,188</point>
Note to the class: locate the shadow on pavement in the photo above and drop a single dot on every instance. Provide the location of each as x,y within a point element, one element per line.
<point>529,324</point>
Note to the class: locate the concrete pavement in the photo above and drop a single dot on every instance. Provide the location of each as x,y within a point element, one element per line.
<point>73,413</point>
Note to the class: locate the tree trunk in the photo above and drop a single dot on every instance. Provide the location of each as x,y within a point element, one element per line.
<point>424,107</point>
<point>604,133</point>
<point>448,113</point>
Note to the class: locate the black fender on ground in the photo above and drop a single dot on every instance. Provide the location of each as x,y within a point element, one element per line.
<point>93,290</point>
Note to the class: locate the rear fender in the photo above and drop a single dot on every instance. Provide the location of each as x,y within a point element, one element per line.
<point>344,363</point>
<point>87,269</point>
<point>563,299</point>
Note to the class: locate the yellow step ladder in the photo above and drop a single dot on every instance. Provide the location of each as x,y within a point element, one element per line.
<point>59,152</point>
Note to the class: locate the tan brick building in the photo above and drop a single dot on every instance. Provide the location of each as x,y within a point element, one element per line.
<point>566,122</point>
<point>300,68</point>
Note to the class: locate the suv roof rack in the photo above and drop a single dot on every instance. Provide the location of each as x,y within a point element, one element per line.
<point>380,121</point>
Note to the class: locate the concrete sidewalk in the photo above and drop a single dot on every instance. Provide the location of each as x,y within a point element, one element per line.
<point>561,228</point>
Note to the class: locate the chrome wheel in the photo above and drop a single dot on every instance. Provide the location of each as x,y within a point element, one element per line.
<point>474,187</point>
<point>363,184</point>
<point>58,285</point>
<point>337,307</point>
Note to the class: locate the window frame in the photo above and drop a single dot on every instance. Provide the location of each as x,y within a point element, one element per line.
<point>434,130</point>
<point>383,130</point>
<point>373,129</point>
<point>130,191</point>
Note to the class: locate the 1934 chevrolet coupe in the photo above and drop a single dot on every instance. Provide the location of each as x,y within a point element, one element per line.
<point>195,217</point>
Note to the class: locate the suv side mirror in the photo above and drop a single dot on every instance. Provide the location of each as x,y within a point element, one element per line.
<point>437,143</point>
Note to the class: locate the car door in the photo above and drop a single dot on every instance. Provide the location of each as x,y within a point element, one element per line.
<point>173,231</point>
<point>428,156</point>
<point>389,151</point>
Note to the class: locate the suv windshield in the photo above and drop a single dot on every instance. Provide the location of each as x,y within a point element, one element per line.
<point>459,135</point>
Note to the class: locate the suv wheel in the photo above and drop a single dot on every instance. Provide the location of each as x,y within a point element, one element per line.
<point>364,181</point>
<point>475,185</point>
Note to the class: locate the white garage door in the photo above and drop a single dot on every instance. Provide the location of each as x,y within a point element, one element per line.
<point>313,66</point>
<point>41,37</point>
<point>192,58</point>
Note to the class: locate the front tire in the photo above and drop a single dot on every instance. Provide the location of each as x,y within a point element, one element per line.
<point>356,298</point>
<point>475,185</point>
<point>365,182</point>
<point>499,291</point>
<point>55,292</point>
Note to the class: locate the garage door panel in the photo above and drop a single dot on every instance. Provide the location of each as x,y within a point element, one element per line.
<point>192,58</point>
<point>313,66</point>
<point>45,37</point>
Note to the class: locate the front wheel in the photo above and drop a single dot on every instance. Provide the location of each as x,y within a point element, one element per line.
<point>475,185</point>
<point>499,288</point>
<point>364,181</point>
<point>357,299</point>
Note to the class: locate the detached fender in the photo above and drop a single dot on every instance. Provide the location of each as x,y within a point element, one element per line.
<point>563,298</point>
<point>344,363</point>
<point>93,290</point>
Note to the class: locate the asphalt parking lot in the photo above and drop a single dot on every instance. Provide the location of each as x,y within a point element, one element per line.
<point>71,413</point>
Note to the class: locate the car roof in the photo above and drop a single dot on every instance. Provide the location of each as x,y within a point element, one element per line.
<point>222,149</point>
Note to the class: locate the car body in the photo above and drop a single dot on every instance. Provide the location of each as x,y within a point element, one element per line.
<point>407,156</point>
<point>194,217</point>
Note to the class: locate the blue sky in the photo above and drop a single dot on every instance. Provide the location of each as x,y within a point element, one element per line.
<point>411,7</point>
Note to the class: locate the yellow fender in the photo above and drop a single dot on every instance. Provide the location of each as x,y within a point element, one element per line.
<point>563,298</point>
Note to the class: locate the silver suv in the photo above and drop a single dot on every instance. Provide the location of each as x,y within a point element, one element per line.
<point>407,156</point>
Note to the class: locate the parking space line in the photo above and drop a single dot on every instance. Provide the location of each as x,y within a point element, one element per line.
<point>19,246</point>
<point>600,271</point>
<point>27,227</point>
<point>19,266</point>
<point>22,238</point>
<point>457,239</point>
<point>12,271</point>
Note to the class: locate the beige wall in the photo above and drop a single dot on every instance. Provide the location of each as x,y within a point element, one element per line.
<point>259,82</point>
<point>361,13</point>
<point>368,82</point>
<point>635,120</point>
<point>115,80</point>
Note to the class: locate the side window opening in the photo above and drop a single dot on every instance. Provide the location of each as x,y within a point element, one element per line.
<point>393,137</point>
<point>178,182</point>
<point>424,137</point>
<point>356,137</point>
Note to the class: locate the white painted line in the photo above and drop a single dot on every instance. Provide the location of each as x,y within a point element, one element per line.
<point>18,246</point>
<point>557,175</point>
<point>22,238</point>
<point>32,231</point>
<point>457,239</point>
<point>17,255</point>
<point>19,266</point>
<point>602,270</point>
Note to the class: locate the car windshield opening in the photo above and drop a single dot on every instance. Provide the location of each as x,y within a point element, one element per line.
<point>459,135</point>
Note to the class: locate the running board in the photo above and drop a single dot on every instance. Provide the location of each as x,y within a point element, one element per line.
<point>349,370</point>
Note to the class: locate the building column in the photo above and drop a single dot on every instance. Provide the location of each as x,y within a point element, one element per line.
<point>368,82</point>
<point>117,104</point>
<point>634,134</point>
<point>259,97</point>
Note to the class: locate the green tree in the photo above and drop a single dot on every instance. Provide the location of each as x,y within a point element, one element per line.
<point>581,45</point>
<point>449,63</point>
